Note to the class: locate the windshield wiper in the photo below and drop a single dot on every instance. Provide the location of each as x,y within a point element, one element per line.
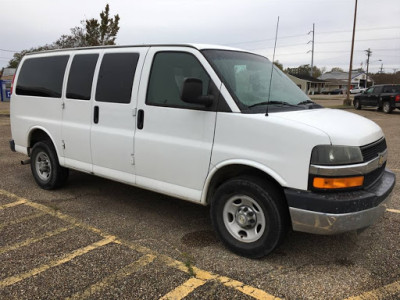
<point>272,103</point>
<point>305,102</point>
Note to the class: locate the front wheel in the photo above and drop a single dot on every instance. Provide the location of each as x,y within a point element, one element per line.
<point>357,104</point>
<point>387,109</point>
<point>250,216</point>
<point>45,168</point>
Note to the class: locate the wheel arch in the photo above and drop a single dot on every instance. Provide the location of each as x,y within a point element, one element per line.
<point>38,134</point>
<point>229,169</point>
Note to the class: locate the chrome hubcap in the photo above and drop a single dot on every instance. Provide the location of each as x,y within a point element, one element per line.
<point>43,166</point>
<point>244,218</point>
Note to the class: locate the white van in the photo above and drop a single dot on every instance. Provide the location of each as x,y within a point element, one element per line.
<point>212,125</point>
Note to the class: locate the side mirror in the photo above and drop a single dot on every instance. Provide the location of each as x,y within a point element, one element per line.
<point>192,92</point>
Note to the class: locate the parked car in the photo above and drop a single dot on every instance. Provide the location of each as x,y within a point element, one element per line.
<point>384,96</point>
<point>334,92</point>
<point>203,124</point>
<point>357,90</point>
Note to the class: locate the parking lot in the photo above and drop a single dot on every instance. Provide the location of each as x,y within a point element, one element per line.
<point>96,238</point>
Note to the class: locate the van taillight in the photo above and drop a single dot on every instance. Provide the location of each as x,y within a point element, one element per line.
<point>397,98</point>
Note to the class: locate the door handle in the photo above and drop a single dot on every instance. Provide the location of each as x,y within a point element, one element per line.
<point>140,119</point>
<point>96,115</point>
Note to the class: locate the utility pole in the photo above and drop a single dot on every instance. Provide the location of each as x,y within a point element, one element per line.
<point>381,66</point>
<point>369,53</point>
<point>312,49</point>
<point>347,101</point>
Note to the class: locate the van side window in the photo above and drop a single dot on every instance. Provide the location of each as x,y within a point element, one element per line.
<point>42,76</point>
<point>80,77</point>
<point>116,77</point>
<point>168,72</point>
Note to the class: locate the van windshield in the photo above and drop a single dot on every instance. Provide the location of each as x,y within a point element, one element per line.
<point>247,77</point>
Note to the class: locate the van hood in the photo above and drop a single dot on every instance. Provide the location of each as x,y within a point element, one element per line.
<point>342,127</point>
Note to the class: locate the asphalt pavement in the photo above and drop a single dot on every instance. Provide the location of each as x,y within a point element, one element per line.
<point>99,239</point>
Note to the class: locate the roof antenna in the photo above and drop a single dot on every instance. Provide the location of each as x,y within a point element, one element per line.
<point>272,68</point>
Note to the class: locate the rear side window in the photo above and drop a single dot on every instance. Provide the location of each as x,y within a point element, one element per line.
<point>81,76</point>
<point>377,89</point>
<point>42,76</point>
<point>116,77</point>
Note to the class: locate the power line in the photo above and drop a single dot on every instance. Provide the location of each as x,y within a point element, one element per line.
<point>5,50</point>
<point>299,35</point>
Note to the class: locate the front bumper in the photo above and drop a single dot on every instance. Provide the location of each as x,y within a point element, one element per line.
<point>332,213</point>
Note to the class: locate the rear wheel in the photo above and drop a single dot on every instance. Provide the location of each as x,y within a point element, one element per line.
<point>387,109</point>
<point>45,168</point>
<point>249,216</point>
<point>357,104</point>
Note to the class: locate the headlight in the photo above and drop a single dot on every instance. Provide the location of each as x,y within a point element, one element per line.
<point>336,155</point>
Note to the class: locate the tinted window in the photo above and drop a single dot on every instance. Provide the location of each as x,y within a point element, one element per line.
<point>116,77</point>
<point>391,89</point>
<point>168,72</point>
<point>369,91</point>
<point>377,90</point>
<point>42,76</point>
<point>81,76</point>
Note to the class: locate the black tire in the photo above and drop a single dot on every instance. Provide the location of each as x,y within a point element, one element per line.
<point>45,167</point>
<point>266,205</point>
<point>357,104</point>
<point>387,109</point>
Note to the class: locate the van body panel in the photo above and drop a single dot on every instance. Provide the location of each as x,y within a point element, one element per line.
<point>112,137</point>
<point>277,144</point>
<point>342,127</point>
<point>174,146</point>
<point>77,124</point>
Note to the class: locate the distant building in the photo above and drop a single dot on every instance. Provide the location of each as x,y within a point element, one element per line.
<point>338,80</point>
<point>309,85</point>
<point>5,83</point>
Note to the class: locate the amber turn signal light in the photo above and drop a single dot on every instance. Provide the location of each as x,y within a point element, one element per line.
<point>337,183</point>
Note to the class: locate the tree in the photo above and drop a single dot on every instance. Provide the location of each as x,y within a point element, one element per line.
<point>77,38</point>
<point>13,63</point>
<point>304,70</point>
<point>91,33</point>
<point>103,33</point>
<point>278,64</point>
<point>337,69</point>
<point>386,78</point>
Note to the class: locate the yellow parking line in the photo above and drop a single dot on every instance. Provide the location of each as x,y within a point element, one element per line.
<point>184,289</point>
<point>246,289</point>
<point>14,279</point>
<point>393,210</point>
<point>56,214</point>
<point>204,276</point>
<point>34,240</point>
<point>384,292</point>
<point>19,202</point>
<point>105,282</point>
<point>199,274</point>
<point>24,219</point>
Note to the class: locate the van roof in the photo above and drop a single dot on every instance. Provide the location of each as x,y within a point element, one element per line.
<point>195,46</point>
